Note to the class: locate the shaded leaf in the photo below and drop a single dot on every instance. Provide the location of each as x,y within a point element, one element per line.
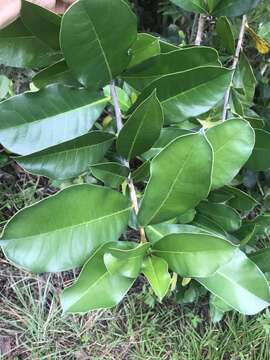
<point>68,159</point>
<point>260,158</point>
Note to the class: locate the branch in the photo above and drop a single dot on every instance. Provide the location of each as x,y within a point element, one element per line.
<point>199,35</point>
<point>119,125</point>
<point>234,65</point>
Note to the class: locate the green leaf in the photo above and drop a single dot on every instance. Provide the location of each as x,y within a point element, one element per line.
<point>42,23</point>
<point>262,259</point>
<point>241,200</point>
<point>225,34</point>
<point>96,287</point>
<point>142,128</point>
<point>189,93</point>
<point>90,32</point>
<point>56,73</point>
<point>221,214</point>
<point>260,158</point>
<point>166,47</point>
<point>232,143</point>
<point>172,62</point>
<point>156,232</point>
<point>171,190</point>
<point>4,86</point>
<point>156,271</point>
<point>20,48</point>
<point>245,80</point>
<point>60,232</point>
<point>32,122</point>
<point>69,159</point>
<point>126,259</point>
<point>234,8</point>
<point>194,255</point>
<point>197,6</point>
<point>167,135</point>
<point>209,225</point>
<point>142,172</point>
<point>240,284</point>
<point>144,48</point>
<point>110,173</point>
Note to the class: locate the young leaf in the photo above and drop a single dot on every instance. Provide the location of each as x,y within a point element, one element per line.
<point>221,214</point>
<point>69,159</point>
<point>240,284</point>
<point>60,232</point>
<point>194,255</point>
<point>172,62</point>
<point>260,158</point>
<point>142,128</point>
<point>232,143</point>
<point>173,189</point>
<point>20,48</point>
<point>32,122</point>
<point>89,33</point>
<point>126,259</point>
<point>156,271</point>
<point>44,24</point>
<point>189,93</point>
<point>96,287</point>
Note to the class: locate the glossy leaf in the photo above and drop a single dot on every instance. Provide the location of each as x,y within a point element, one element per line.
<point>209,225</point>
<point>142,128</point>
<point>240,284</point>
<point>197,6</point>
<point>28,126</point>
<point>171,191</point>
<point>223,215</point>
<point>260,158</point>
<point>189,93</point>
<point>68,159</point>
<point>111,174</point>
<point>20,48</point>
<point>232,143</point>
<point>156,271</point>
<point>225,34</point>
<point>89,43</point>
<point>126,259</point>
<point>156,232</point>
<point>175,61</point>
<point>96,287</point>
<point>234,8</point>
<point>194,255</point>
<point>56,73</point>
<point>144,48</point>
<point>60,232</point>
<point>44,24</point>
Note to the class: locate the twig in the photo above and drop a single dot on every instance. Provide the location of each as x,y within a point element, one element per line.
<point>194,27</point>
<point>234,65</point>
<point>119,125</point>
<point>199,35</point>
